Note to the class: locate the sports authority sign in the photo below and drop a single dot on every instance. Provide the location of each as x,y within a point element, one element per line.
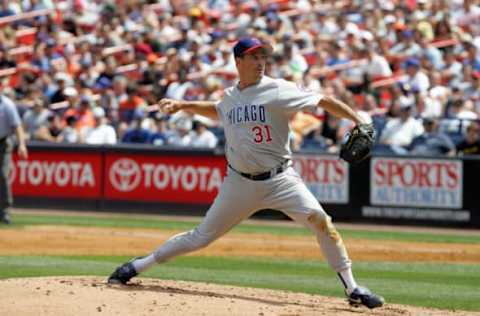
<point>47,174</point>
<point>416,182</point>
<point>163,178</point>
<point>326,176</point>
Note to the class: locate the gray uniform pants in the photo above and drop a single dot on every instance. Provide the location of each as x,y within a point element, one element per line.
<point>240,197</point>
<point>6,199</point>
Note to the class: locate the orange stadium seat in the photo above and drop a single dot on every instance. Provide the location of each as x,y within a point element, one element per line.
<point>26,36</point>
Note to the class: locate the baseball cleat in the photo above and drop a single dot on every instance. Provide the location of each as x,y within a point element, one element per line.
<point>363,296</point>
<point>5,219</point>
<point>122,274</point>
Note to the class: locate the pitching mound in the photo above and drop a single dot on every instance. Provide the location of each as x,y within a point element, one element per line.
<point>91,296</point>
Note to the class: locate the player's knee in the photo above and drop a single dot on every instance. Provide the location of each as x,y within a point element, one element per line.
<point>201,240</point>
<point>323,223</point>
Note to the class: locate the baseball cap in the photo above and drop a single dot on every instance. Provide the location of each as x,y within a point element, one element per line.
<point>98,112</point>
<point>70,92</point>
<point>412,62</point>
<point>249,44</point>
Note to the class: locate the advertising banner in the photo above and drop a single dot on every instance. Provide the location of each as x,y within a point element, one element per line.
<point>54,174</point>
<point>163,178</point>
<point>326,176</point>
<point>416,182</point>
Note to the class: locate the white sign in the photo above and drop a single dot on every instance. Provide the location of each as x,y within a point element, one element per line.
<point>416,182</point>
<point>325,176</point>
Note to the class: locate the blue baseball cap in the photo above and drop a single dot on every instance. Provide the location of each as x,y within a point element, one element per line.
<point>412,62</point>
<point>249,44</point>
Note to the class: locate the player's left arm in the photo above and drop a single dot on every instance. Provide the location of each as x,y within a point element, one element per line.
<point>340,109</point>
<point>204,108</point>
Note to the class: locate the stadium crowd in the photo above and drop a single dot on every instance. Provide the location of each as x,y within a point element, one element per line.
<point>88,71</point>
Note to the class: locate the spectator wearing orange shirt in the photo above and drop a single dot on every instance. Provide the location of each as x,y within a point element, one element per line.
<point>128,106</point>
<point>83,113</point>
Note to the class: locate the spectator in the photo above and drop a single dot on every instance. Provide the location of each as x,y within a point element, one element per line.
<point>452,68</point>
<point>6,60</point>
<point>432,53</point>
<point>460,112</point>
<point>5,9</point>
<point>377,66</point>
<point>102,133</point>
<point>407,46</point>
<point>83,114</point>
<point>181,135</point>
<point>160,136</point>
<point>201,137</point>
<point>105,79</point>
<point>329,129</point>
<point>83,50</point>
<point>415,76</point>
<point>472,57</point>
<point>51,131</point>
<point>470,145</point>
<point>62,81</point>
<point>178,89</point>
<point>432,142</point>
<point>400,131</point>
<point>296,62</point>
<point>136,133</point>
<point>131,104</point>
<point>69,134</point>
<point>34,118</point>
<point>302,124</point>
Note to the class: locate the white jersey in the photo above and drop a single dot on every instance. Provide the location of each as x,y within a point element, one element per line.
<point>256,122</point>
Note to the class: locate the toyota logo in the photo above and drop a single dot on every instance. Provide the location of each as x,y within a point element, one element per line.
<point>125,175</point>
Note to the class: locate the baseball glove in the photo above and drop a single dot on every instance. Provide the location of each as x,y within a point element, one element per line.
<point>359,143</point>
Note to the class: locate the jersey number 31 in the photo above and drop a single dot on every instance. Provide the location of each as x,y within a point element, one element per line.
<point>262,133</point>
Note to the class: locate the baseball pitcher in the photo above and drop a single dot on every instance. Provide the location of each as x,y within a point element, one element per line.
<point>255,114</point>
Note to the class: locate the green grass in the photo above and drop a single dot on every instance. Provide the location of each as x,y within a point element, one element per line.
<point>445,286</point>
<point>158,223</point>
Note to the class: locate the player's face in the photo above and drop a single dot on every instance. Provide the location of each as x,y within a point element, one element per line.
<point>252,65</point>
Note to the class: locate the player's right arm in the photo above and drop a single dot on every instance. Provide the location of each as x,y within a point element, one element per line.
<point>204,108</point>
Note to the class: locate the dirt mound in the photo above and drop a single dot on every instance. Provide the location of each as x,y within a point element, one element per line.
<point>91,296</point>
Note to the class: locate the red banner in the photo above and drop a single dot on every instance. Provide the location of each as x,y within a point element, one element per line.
<point>160,178</point>
<point>57,174</point>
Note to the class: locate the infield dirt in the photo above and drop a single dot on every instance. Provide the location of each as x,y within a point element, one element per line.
<point>91,296</point>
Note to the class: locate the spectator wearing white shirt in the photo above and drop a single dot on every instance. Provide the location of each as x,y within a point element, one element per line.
<point>407,46</point>
<point>102,133</point>
<point>400,131</point>
<point>201,137</point>
<point>34,118</point>
<point>69,133</point>
<point>297,63</point>
<point>415,77</point>
<point>377,66</point>
<point>181,135</point>
<point>177,89</point>
<point>452,69</point>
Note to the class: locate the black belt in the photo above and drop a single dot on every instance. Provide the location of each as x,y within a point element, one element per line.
<point>264,175</point>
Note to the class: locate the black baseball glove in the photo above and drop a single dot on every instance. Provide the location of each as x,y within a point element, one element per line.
<point>359,143</point>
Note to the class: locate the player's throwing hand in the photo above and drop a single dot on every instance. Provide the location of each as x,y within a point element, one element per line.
<point>170,106</point>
